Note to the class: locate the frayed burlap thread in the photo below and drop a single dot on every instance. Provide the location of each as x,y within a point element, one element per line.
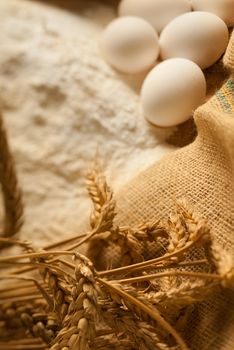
<point>202,172</point>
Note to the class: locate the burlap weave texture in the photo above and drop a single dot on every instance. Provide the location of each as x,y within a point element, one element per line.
<point>202,172</point>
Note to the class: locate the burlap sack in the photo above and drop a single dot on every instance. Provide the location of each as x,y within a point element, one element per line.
<point>202,172</point>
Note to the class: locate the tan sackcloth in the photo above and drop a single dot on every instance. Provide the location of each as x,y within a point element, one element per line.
<point>202,172</point>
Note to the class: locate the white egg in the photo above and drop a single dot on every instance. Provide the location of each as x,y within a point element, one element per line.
<point>172,91</point>
<point>130,44</point>
<point>222,8</point>
<point>156,12</point>
<point>201,37</point>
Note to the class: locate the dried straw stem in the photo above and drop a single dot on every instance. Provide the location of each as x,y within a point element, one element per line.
<point>55,278</point>
<point>42,254</point>
<point>171,273</point>
<point>198,232</point>
<point>23,344</point>
<point>12,194</point>
<point>149,263</point>
<point>183,294</point>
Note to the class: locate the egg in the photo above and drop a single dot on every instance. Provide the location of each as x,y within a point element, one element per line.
<point>222,8</point>
<point>130,44</point>
<point>156,12</point>
<point>172,91</point>
<point>201,37</point>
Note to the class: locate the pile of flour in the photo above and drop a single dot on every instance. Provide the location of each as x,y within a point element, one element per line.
<point>62,104</point>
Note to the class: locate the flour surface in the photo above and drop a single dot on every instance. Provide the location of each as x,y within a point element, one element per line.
<point>62,103</point>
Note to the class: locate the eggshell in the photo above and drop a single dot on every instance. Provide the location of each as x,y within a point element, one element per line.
<point>156,12</point>
<point>130,44</point>
<point>222,8</point>
<point>172,91</point>
<point>199,36</point>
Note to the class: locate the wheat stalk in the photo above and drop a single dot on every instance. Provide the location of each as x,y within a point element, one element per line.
<point>183,294</point>
<point>11,192</point>
<point>25,344</point>
<point>50,274</point>
<point>171,273</point>
<point>26,245</point>
<point>149,263</point>
<point>198,232</point>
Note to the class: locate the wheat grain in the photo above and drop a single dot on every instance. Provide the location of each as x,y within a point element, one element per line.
<point>184,293</point>
<point>130,247</point>
<point>58,293</point>
<point>177,234</point>
<point>143,311</point>
<point>103,215</point>
<point>224,263</point>
<point>79,324</point>
<point>139,333</point>
<point>102,198</point>
<point>150,231</point>
<point>33,317</point>
<point>197,227</point>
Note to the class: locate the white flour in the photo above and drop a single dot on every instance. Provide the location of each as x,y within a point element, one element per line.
<point>61,102</point>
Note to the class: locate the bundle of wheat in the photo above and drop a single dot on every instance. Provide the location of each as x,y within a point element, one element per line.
<point>67,303</point>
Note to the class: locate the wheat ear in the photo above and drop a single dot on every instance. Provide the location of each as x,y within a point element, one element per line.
<point>79,326</point>
<point>197,233</point>
<point>102,197</point>
<point>103,214</point>
<point>31,316</point>
<point>131,247</point>
<point>50,273</point>
<point>141,334</point>
<point>143,311</point>
<point>60,301</point>
<point>186,293</point>
<point>12,194</point>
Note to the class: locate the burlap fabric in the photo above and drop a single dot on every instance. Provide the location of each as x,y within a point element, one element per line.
<point>202,172</point>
